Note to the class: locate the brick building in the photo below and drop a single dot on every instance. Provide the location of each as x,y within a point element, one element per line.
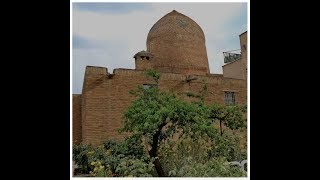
<point>175,48</point>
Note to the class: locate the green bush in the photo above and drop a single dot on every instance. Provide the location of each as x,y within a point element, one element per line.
<point>113,159</point>
<point>80,156</point>
<point>212,168</point>
<point>129,167</point>
<point>100,170</point>
<point>129,147</point>
<point>227,146</point>
<point>202,158</point>
<point>181,158</point>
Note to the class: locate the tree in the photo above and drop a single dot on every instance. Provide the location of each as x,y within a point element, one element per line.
<point>230,116</point>
<point>155,116</point>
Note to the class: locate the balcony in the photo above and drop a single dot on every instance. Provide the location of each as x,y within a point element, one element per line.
<point>230,57</point>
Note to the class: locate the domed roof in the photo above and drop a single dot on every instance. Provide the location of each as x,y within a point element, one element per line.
<point>175,22</point>
<point>178,45</point>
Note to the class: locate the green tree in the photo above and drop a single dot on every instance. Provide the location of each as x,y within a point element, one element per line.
<point>156,115</point>
<point>230,116</point>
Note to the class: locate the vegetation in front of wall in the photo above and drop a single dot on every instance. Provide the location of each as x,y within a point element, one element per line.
<point>169,137</point>
<point>191,94</point>
<point>113,159</point>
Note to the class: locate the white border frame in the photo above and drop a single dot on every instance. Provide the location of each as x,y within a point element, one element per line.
<point>248,83</point>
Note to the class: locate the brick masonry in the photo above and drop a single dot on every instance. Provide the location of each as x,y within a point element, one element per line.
<point>178,52</point>
<point>76,118</point>
<point>178,45</point>
<point>106,97</point>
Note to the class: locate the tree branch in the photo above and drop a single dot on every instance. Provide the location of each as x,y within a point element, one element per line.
<point>154,151</point>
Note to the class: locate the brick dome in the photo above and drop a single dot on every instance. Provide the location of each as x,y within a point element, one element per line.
<point>178,45</point>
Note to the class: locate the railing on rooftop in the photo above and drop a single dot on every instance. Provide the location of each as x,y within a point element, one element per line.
<point>230,57</point>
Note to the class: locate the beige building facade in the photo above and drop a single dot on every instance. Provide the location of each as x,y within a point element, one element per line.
<point>237,68</point>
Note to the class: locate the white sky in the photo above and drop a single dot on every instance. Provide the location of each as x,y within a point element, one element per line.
<point>109,34</point>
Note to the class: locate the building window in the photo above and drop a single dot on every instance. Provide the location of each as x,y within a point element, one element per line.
<point>229,98</point>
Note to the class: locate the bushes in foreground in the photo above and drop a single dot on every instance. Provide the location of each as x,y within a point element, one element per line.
<point>113,159</point>
<point>183,158</point>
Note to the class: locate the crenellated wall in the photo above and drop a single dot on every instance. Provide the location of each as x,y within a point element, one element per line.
<point>106,96</point>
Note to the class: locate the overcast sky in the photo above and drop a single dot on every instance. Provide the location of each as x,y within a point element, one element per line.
<point>109,34</point>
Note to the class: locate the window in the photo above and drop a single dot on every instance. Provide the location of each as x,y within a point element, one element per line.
<point>229,98</point>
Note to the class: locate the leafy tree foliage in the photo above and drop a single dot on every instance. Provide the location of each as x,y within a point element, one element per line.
<point>157,115</point>
<point>113,159</point>
<point>230,116</point>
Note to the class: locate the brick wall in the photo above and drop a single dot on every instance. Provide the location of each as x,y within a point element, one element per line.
<point>143,64</point>
<point>243,45</point>
<point>244,48</point>
<point>234,70</point>
<point>106,97</point>
<point>178,45</point>
<point>76,118</point>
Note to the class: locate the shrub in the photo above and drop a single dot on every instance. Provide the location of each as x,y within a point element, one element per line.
<point>199,159</point>
<point>80,156</point>
<point>113,159</point>
<point>100,170</point>
<point>227,146</point>
<point>213,168</point>
<point>134,168</point>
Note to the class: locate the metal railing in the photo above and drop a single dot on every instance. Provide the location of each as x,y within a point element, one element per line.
<point>230,57</point>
